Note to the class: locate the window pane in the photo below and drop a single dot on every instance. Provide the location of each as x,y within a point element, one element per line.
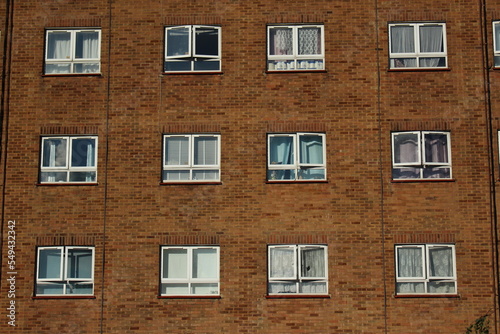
<point>206,41</point>
<point>309,41</point>
<point>497,36</point>
<point>53,176</point>
<point>442,287</point>
<point>431,38</point>
<point>441,262</point>
<point>80,288</point>
<point>57,68</point>
<point>410,262</point>
<point>59,45</point>
<point>86,68</point>
<point>205,175</point>
<point>282,287</point>
<point>79,263</point>
<point>402,39</point>
<point>50,289</point>
<point>436,148</point>
<point>205,289</point>
<point>178,41</point>
<point>49,263</point>
<point>410,288</point>
<point>280,41</point>
<point>313,287</point>
<point>175,289</point>
<point>311,174</point>
<point>281,151</point>
<point>313,262</point>
<point>82,177</point>
<point>281,174</point>
<point>175,263</point>
<point>176,175</point>
<point>87,45</point>
<point>311,149</point>
<point>177,66</point>
<point>205,150</point>
<point>406,148</point>
<point>205,263</point>
<point>54,152</point>
<point>436,173</point>
<point>83,152</point>
<point>176,151</point>
<point>406,173</point>
<point>206,65</point>
<point>282,262</point>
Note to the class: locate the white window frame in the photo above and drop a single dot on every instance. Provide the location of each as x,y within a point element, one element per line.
<point>68,168</point>
<point>496,43</point>
<point>192,56</point>
<point>190,165</point>
<point>64,279</point>
<point>297,279</point>
<point>426,277</point>
<point>190,281</point>
<point>72,60</point>
<point>417,55</point>
<point>295,61</point>
<point>421,162</point>
<point>297,166</point>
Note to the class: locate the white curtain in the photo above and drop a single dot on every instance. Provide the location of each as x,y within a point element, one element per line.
<point>403,41</point>
<point>176,151</point>
<point>406,148</point>
<point>59,45</point>
<point>309,41</point>
<point>431,40</point>
<point>313,262</point>
<point>282,262</point>
<point>205,151</point>
<point>87,47</point>
<point>281,41</point>
<point>436,148</point>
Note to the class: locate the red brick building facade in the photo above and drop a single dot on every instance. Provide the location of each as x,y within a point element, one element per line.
<point>249,166</point>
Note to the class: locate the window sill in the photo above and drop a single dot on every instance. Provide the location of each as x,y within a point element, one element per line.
<point>68,184</point>
<point>296,181</point>
<point>190,297</point>
<point>421,180</point>
<point>188,183</point>
<point>295,296</point>
<point>428,295</point>
<point>72,75</point>
<point>296,71</point>
<point>63,297</point>
<point>425,69</point>
<point>193,72</point>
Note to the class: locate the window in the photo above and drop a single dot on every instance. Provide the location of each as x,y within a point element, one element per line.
<point>297,269</point>
<point>192,49</point>
<point>296,157</point>
<point>69,159</point>
<point>421,155</point>
<point>190,158</point>
<point>417,45</point>
<point>496,42</point>
<point>73,51</point>
<point>192,270</point>
<point>65,270</point>
<point>295,48</point>
<point>426,269</point>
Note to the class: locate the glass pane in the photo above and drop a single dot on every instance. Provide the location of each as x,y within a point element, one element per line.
<point>406,148</point>
<point>406,173</point>
<point>53,176</point>
<point>496,34</point>
<point>403,62</point>
<point>86,68</point>
<point>87,45</point>
<point>54,152</point>
<point>432,62</point>
<point>175,289</point>
<point>82,177</point>
<point>281,150</point>
<point>80,288</point>
<point>311,149</point>
<point>205,65</point>
<point>410,262</point>
<point>441,262</point>
<point>178,41</point>
<point>282,262</point>
<point>177,151</point>
<point>205,263</point>
<point>431,38</point>
<point>205,289</point>
<point>281,41</point>
<point>436,173</point>
<point>436,148</point>
<point>205,151</point>
<point>49,289</point>
<point>497,60</point>
<point>312,287</point>
<point>281,174</point>
<point>172,66</point>
<point>49,263</point>
<point>206,41</point>
<point>309,41</point>
<point>282,287</point>
<point>83,152</point>
<point>176,175</point>
<point>175,263</point>
<point>402,39</point>
<point>410,287</point>
<point>57,68</point>
<point>313,262</point>
<point>79,263</point>
<point>206,175</point>
<point>59,45</point>
<point>312,174</point>
<point>442,287</point>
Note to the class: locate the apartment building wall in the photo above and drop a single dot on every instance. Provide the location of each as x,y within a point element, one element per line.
<point>360,213</point>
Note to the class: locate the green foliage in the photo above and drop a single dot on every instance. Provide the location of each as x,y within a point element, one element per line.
<point>480,326</point>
